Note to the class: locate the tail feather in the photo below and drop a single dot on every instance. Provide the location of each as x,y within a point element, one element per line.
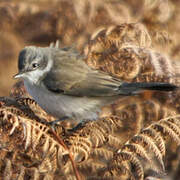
<point>134,87</point>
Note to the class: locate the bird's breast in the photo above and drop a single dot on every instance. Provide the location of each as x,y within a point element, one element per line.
<point>60,105</point>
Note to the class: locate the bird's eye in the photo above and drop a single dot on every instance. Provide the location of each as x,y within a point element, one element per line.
<point>35,65</point>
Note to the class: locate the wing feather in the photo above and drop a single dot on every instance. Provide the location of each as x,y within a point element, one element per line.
<point>70,75</point>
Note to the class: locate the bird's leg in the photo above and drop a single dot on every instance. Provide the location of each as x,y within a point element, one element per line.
<point>53,123</point>
<point>78,126</point>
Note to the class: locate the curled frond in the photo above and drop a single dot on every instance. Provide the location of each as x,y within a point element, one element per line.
<point>133,161</point>
<point>124,52</point>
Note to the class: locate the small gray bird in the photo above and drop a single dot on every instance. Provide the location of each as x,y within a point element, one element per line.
<point>65,86</point>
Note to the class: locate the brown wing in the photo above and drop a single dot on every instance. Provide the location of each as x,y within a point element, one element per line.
<point>72,76</point>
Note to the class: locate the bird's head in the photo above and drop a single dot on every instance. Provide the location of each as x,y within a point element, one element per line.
<point>33,63</point>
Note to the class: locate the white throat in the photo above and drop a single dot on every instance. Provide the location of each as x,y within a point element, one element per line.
<point>35,77</point>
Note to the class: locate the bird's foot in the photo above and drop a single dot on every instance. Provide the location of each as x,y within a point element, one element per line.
<point>77,127</point>
<point>55,122</point>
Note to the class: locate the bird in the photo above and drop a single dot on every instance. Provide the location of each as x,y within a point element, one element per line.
<point>64,86</point>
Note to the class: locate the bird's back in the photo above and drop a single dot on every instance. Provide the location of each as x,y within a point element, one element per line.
<point>72,76</point>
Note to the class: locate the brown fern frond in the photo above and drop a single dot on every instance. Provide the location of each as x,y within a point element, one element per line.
<point>141,148</point>
<point>122,51</point>
<point>36,136</point>
<point>84,140</point>
<point>25,107</point>
<point>169,129</point>
<point>33,139</point>
<point>133,161</point>
<point>92,144</point>
<point>117,172</point>
<point>33,131</point>
<point>93,166</point>
<point>138,151</point>
<point>28,147</point>
<point>157,138</point>
<point>36,112</point>
<point>36,109</point>
<point>149,143</point>
<point>112,140</point>
<point>102,153</point>
<point>80,148</point>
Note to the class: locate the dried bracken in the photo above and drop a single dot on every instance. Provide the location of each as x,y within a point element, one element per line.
<point>124,51</point>
<point>36,153</point>
<point>30,139</point>
<point>137,137</point>
<point>145,152</point>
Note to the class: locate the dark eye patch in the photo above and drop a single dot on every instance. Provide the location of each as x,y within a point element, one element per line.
<point>32,58</point>
<point>21,61</point>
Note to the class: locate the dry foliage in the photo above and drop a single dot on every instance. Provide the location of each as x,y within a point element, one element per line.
<point>125,52</point>
<point>111,147</point>
<point>137,137</point>
<point>129,141</point>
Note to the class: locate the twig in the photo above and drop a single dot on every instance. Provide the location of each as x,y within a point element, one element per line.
<point>61,142</point>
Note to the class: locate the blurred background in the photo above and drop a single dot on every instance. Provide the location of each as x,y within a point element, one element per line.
<point>31,22</point>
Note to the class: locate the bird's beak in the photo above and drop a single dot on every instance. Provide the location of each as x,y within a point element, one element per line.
<point>18,75</point>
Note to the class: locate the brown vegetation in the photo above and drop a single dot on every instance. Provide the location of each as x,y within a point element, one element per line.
<point>138,137</point>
